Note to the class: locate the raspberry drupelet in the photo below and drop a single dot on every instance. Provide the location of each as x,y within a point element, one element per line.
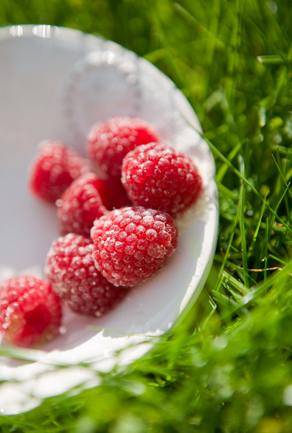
<point>157,176</point>
<point>30,312</point>
<point>132,244</point>
<point>72,273</point>
<point>109,142</point>
<point>80,205</point>
<point>54,169</point>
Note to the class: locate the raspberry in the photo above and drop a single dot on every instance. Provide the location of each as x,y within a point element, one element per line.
<point>71,271</point>
<point>80,205</point>
<point>30,312</point>
<point>158,177</point>
<point>131,244</point>
<point>54,169</point>
<point>109,142</point>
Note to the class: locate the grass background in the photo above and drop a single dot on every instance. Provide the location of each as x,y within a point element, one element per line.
<point>228,366</point>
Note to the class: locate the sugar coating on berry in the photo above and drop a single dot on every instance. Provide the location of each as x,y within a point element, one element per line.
<point>80,205</point>
<point>109,142</point>
<point>71,270</point>
<point>54,169</point>
<point>30,312</point>
<point>132,244</point>
<point>158,177</point>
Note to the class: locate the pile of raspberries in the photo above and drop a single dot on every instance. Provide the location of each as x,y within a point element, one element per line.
<point>116,214</point>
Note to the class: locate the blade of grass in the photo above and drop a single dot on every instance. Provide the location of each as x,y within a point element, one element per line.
<point>255,236</point>
<point>220,275</point>
<point>241,210</point>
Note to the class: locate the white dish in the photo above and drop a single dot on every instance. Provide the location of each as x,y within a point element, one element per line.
<point>55,83</point>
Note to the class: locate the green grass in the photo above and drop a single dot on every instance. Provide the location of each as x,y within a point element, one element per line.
<point>227,367</point>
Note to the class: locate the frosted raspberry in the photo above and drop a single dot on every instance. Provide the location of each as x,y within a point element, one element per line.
<point>110,141</point>
<point>80,205</point>
<point>71,271</point>
<point>157,176</point>
<point>30,312</point>
<point>131,244</point>
<point>54,169</point>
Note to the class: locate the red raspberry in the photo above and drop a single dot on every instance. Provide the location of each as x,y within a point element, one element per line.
<point>71,271</point>
<point>109,142</point>
<point>30,312</point>
<point>131,244</point>
<point>80,205</point>
<point>54,169</point>
<point>157,176</point>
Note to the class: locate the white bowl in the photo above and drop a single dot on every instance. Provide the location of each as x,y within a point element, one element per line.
<point>54,84</point>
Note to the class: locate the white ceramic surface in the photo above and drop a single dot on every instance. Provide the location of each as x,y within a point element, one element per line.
<point>54,84</point>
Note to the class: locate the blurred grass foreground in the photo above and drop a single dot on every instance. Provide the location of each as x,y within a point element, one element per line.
<point>228,366</point>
